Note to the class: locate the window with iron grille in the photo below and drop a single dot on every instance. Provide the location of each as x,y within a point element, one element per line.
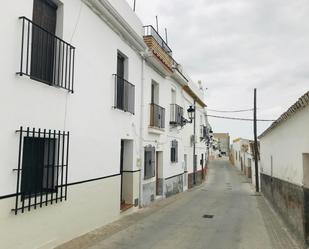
<point>174,151</point>
<point>149,162</point>
<point>42,171</point>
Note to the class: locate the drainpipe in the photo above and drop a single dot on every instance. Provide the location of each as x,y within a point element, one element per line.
<point>141,129</point>
<point>194,144</point>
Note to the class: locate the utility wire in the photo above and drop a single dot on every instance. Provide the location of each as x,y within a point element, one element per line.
<point>242,119</point>
<point>245,110</point>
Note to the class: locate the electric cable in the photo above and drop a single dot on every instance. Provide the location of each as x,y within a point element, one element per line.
<point>241,119</point>
<point>245,110</point>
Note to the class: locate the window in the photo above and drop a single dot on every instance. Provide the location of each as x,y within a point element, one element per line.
<point>44,56</point>
<point>174,151</point>
<point>149,162</point>
<point>38,166</point>
<point>124,90</point>
<point>42,168</point>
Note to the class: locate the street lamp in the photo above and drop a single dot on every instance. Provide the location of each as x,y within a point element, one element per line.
<point>191,113</point>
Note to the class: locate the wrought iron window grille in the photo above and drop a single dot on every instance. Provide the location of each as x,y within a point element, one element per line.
<point>42,170</point>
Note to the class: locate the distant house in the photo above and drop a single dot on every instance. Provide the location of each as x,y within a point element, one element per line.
<point>223,141</point>
<point>285,166</point>
<point>242,156</point>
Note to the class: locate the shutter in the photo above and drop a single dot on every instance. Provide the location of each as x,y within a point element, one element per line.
<point>42,50</point>
<point>32,165</point>
<point>176,151</point>
<point>149,162</point>
<point>153,161</point>
<point>146,163</point>
<point>172,156</point>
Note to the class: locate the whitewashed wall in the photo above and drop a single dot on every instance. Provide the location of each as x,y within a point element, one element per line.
<point>88,114</point>
<point>286,144</point>
<point>96,129</point>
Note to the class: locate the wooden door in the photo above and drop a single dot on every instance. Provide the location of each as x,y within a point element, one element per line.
<point>43,41</point>
<point>157,175</point>
<point>120,81</point>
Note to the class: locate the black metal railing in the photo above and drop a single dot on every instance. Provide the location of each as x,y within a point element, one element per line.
<point>42,170</point>
<point>203,132</point>
<point>157,116</point>
<point>45,57</point>
<point>176,115</point>
<point>150,31</point>
<point>124,95</point>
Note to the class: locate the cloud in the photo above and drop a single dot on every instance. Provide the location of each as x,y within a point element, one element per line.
<point>234,46</point>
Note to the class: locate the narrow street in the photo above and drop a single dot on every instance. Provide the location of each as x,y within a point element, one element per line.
<point>224,213</point>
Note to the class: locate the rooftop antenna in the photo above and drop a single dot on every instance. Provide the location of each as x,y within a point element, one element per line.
<point>157,22</point>
<point>166,36</point>
<point>134,4</point>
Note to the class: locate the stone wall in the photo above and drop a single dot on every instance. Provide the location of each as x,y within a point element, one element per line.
<point>288,201</point>
<point>149,193</point>
<point>200,177</point>
<point>173,185</point>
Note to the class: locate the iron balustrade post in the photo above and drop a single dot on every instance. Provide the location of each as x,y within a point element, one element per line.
<point>62,165</point>
<point>42,173</point>
<point>18,192</point>
<point>66,167</point>
<point>57,167</point>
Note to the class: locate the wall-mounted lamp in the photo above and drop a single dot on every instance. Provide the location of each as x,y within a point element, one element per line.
<point>191,113</point>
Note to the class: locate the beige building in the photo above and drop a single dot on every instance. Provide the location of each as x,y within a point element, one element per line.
<point>223,142</point>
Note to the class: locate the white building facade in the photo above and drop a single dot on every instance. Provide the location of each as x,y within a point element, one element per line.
<point>242,156</point>
<point>285,166</point>
<point>79,122</point>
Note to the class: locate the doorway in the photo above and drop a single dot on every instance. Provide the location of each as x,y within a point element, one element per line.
<point>127,174</point>
<point>159,173</point>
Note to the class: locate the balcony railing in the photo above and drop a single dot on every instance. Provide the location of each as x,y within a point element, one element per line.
<point>124,95</point>
<point>176,115</point>
<point>157,116</point>
<point>150,31</point>
<point>203,132</point>
<point>45,57</point>
<point>158,47</point>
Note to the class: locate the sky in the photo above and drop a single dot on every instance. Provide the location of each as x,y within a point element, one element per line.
<point>234,46</point>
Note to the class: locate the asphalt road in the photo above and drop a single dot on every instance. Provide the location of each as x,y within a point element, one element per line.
<point>223,213</point>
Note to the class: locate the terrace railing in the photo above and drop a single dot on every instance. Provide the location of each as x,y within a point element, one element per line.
<point>124,95</point>
<point>45,57</point>
<point>150,31</point>
<point>157,116</point>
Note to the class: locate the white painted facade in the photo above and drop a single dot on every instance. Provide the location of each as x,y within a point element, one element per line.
<point>285,149</point>
<point>242,157</point>
<point>99,30</point>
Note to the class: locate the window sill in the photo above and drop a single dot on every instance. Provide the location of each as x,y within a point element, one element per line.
<point>155,130</point>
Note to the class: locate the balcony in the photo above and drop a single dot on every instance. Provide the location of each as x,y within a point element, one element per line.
<point>45,57</point>
<point>124,95</point>
<point>203,132</point>
<point>158,46</point>
<point>157,116</point>
<point>176,115</point>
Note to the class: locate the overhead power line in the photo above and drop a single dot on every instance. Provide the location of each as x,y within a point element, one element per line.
<point>241,119</point>
<point>245,110</point>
